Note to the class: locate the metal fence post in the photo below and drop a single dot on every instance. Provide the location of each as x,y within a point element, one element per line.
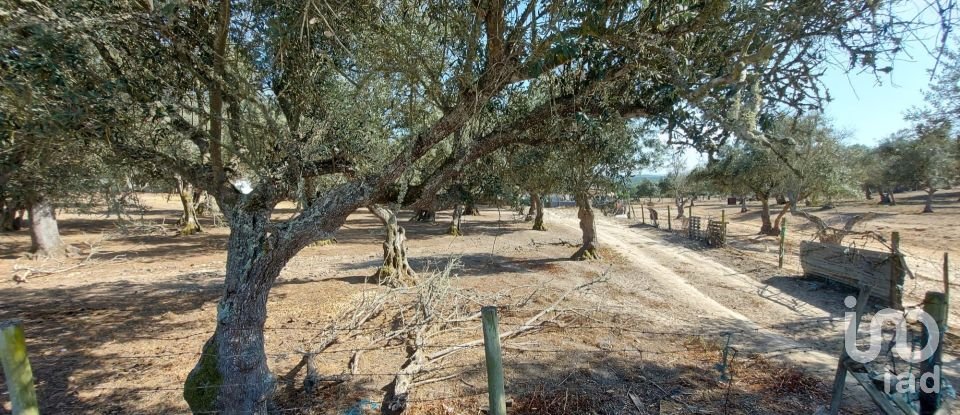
<point>494,360</point>
<point>16,369</point>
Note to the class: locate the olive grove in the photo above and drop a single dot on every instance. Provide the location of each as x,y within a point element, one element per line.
<point>378,104</point>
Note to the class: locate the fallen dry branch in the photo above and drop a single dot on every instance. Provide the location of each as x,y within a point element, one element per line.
<point>834,236</point>
<point>21,273</point>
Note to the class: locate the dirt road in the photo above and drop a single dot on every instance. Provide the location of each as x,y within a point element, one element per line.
<point>804,322</point>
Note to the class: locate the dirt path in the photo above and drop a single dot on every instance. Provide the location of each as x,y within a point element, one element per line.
<point>720,298</point>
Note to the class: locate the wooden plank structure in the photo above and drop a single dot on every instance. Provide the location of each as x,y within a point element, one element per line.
<point>884,272</point>
<point>693,228</point>
<point>716,233</point>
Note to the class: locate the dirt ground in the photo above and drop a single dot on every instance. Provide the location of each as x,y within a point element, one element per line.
<point>118,332</point>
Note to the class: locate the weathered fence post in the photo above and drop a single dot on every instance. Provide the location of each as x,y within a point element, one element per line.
<point>840,379</point>
<point>643,216</point>
<point>946,284</point>
<point>16,369</point>
<point>491,349</point>
<point>896,272</point>
<point>934,304</point>
<point>669,215</point>
<point>783,241</point>
<point>690,211</point>
<point>723,224</point>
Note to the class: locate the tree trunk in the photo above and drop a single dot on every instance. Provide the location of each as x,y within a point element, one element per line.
<point>867,192</point>
<point>471,210</point>
<point>12,217</point>
<point>893,199</point>
<point>189,224</point>
<point>423,215</point>
<point>45,239</point>
<point>766,227</point>
<point>928,206</point>
<point>538,213</point>
<point>681,203</point>
<point>781,199</point>
<point>786,208</point>
<point>589,229</point>
<point>454,228</point>
<point>232,375</point>
<point>395,271</point>
<point>743,204</point>
<point>532,209</point>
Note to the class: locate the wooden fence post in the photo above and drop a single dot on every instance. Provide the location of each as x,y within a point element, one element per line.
<point>643,216</point>
<point>896,272</point>
<point>783,241</point>
<point>16,369</point>
<point>946,284</point>
<point>690,211</point>
<point>934,304</point>
<point>840,380</point>
<point>669,223</point>
<point>491,348</point>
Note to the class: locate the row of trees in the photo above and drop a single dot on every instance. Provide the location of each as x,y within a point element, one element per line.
<point>387,104</point>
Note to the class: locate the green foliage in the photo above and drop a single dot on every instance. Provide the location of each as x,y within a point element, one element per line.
<point>923,158</point>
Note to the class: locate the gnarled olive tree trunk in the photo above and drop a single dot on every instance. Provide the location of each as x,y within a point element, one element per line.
<point>589,229</point>
<point>471,210</point>
<point>12,216</point>
<point>454,228</point>
<point>395,271</point>
<point>537,204</point>
<point>424,215</point>
<point>45,239</point>
<point>928,206</point>
<point>189,223</point>
<point>232,375</point>
<point>766,227</point>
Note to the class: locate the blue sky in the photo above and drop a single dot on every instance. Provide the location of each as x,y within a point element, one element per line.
<point>872,108</point>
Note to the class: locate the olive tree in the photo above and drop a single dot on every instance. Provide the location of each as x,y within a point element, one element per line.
<point>272,93</point>
<point>921,159</point>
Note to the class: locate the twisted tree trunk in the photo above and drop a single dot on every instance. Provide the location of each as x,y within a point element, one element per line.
<point>538,213</point>
<point>232,375</point>
<point>589,229</point>
<point>45,239</point>
<point>189,223</point>
<point>395,271</point>
<point>531,210</point>
<point>471,210</point>
<point>454,228</point>
<point>766,226</point>
<point>928,206</point>
<point>424,215</point>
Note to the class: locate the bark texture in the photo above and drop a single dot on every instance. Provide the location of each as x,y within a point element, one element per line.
<point>454,228</point>
<point>766,226</point>
<point>45,239</point>
<point>232,375</point>
<point>395,271</point>
<point>589,229</point>
<point>928,206</point>
<point>538,213</point>
<point>189,222</point>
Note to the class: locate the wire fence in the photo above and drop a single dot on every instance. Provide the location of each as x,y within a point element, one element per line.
<point>518,355</point>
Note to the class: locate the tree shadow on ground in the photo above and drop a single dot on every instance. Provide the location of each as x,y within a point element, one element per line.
<point>150,329</point>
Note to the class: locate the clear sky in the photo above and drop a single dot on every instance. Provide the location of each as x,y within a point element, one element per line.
<point>872,107</point>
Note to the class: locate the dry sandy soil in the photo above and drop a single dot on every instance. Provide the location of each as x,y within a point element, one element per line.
<point>119,331</point>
